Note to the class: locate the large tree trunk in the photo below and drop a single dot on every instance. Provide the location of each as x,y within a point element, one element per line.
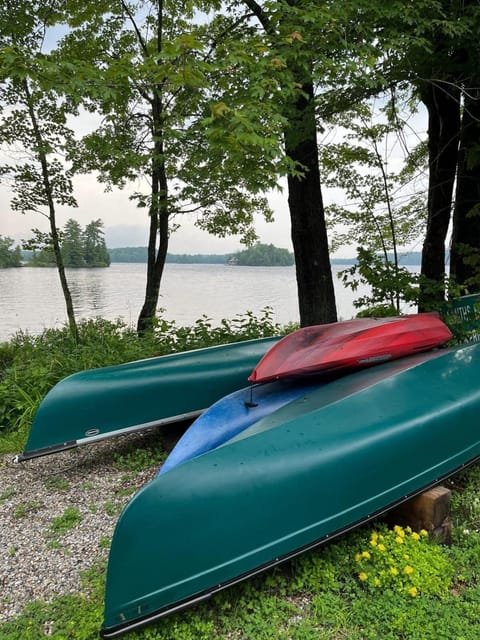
<point>443,105</point>
<point>316,295</point>
<point>465,249</point>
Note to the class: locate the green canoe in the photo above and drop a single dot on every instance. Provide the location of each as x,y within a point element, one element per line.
<point>324,463</point>
<point>100,403</point>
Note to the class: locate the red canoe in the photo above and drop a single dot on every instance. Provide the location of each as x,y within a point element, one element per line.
<point>352,344</point>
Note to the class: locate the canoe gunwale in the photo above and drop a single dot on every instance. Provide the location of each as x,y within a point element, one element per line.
<point>98,437</point>
<point>118,630</point>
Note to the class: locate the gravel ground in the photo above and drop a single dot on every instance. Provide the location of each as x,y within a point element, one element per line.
<point>38,561</point>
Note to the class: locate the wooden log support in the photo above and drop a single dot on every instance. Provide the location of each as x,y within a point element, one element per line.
<point>429,510</point>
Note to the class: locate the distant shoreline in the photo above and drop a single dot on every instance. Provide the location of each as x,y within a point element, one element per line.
<point>139,255</point>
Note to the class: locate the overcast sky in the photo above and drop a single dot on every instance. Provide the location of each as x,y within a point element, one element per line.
<point>126,225</point>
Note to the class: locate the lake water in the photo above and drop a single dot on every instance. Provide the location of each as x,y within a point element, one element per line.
<point>32,300</point>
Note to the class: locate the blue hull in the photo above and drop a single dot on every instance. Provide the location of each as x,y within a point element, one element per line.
<point>232,415</point>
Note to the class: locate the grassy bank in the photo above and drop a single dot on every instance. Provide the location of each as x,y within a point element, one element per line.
<point>372,583</point>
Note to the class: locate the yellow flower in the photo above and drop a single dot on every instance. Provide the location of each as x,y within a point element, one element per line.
<point>365,554</point>
<point>394,571</point>
<point>363,576</point>
<point>399,531</point>
<point>358,557</point>
<point>374,536</point>
<point>413,591</point>
<point>415,536</point>
<point>408,529</point>
<point>381,547</point>
<point>424,533</point>
<point>377,582</point>
<point>399,540</point>
<point>408,569</point>
<point>373,543</point>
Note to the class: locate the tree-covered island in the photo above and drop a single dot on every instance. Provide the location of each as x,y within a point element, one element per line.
<point>259,255</point>
<point>9,256</point>
<point>79,247</point>
<point>263,255</point>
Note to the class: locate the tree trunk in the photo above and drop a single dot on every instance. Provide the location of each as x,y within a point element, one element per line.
<point>443,105</point>
<point>159,203</point>
<point>316,295</point>
<point>465,249</point>
<point>47,186</point>
<point>158,223</point>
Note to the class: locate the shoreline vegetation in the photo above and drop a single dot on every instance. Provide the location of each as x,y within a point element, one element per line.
<point>265,255</point>
<point>139,255</point>
<point>360,586</point>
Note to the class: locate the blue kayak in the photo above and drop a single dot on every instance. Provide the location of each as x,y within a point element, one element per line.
<point>232,415</point>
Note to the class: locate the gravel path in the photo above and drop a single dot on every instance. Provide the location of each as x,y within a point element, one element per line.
<point>83,489</point>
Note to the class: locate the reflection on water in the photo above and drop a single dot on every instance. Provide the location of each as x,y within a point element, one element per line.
<point>87,291</point>
<point>31,298</point>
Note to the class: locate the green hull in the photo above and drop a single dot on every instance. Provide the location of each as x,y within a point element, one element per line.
<point>323,464</point>
<point>101,403</point>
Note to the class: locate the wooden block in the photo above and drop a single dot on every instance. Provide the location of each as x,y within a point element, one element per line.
<point>429,510</point>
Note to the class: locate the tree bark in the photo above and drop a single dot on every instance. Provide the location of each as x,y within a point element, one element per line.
<point>465,247</point>
<point>316,295</point>
<point>156,258</point>
<point>443,105</point>
<point>159,232</point>
<point>48,190</point>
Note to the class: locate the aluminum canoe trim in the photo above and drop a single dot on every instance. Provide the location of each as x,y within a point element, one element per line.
<point>98,437</point>
<point>116,631</point>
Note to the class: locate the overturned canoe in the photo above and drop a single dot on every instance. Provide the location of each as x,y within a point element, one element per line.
<point>331,459</point>
<point>353,344</point>
<point>100,403</point>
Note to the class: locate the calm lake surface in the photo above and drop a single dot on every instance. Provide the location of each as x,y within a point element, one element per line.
<point>31,298</point>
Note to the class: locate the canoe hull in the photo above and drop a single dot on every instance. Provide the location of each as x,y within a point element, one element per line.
<point>311,470</point>
<point>350,345</point>
<point>100,403</point>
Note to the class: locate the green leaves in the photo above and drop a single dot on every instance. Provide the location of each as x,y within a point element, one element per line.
<point>9,256</point>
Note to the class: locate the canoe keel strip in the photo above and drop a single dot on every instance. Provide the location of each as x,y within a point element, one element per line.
<point>313,469</point>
